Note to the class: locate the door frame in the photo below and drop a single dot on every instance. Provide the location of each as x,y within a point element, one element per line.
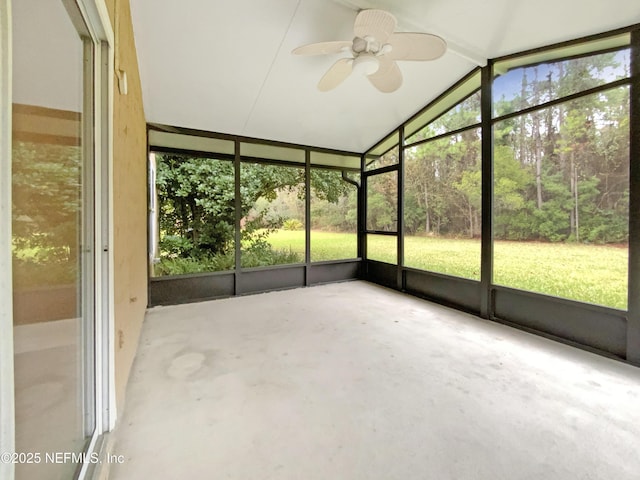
<point>102,405</point>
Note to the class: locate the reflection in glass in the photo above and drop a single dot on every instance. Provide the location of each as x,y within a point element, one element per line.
<point>391,157</point>
<point>562,199</point>
<point>273,215</point>
<point>456,96</point>
<point>52,242</point>
<point>324,159</point>
<point>442,205</point>
<point>464,114</point>
<point>382,202</point>
<point>196,214</point>
<point>334,216</point>
<point>272,152</point>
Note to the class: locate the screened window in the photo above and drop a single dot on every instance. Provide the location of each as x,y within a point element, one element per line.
<point>464,114</point>
<point>273,215</point>
<point>382,248</point>
<point>390,157</point>
<point>530,85</point>
<point>562,186</point>
<point>194,221</point>
<point>382,202</point>
<point>385,153</point>
<point>334,216</point>
<point>442,204</point>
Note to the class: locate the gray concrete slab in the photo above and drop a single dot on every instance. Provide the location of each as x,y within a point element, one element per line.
<point>354,381</point>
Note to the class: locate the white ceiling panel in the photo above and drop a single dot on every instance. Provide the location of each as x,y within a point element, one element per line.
<point>353,116</point>
<point>203,62</point>
<point>227,66</point>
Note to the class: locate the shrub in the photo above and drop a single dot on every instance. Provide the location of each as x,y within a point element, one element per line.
<point>292,224</point>
<point>203,263</point>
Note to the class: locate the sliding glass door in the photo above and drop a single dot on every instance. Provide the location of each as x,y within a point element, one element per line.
<point>52,239</point>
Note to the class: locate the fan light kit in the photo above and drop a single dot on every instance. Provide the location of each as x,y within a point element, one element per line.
<point>366,64</point>
<point>375,49</point>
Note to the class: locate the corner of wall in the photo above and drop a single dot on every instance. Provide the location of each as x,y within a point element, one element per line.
<point>129,198</point>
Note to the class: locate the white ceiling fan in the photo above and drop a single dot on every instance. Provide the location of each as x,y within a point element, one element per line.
<point>375,50</point>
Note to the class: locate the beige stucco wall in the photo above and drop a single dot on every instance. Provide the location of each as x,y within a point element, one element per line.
<point>130,198</point>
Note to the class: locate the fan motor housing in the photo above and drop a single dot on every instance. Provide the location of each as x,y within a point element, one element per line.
<point>365,45</point>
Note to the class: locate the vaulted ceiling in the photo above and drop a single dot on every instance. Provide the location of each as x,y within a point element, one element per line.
<point>226,66</point>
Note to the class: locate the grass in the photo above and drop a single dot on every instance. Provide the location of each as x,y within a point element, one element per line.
<point>588,273</point>
<point>324,245</point>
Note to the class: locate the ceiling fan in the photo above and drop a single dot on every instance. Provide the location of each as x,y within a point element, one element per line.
<point>375,50</point>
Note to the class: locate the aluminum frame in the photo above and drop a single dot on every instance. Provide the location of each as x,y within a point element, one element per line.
<point>633,303</point>
<point>605,330</point>
<point>177,289</point>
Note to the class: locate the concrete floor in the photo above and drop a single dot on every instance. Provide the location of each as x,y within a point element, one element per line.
<point>354,381</point>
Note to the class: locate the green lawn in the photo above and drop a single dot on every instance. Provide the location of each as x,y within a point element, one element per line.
<point>324,245</point>
<point>589,273</point>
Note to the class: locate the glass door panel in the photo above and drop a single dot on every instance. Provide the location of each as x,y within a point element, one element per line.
<point>52,243</point>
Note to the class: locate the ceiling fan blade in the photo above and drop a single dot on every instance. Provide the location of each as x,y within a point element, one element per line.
<point>388,78</point>
<point>323,48</point>
<point>415,46</point>
<point>338,72</point>
<point>376,23</point>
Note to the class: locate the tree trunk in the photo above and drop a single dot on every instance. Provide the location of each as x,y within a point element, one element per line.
<point>537,142</point>
<point>572,187</point>
<point>477,224</point>
<point>575,184</point>
<point>427,223</point>
<point>522,132</point>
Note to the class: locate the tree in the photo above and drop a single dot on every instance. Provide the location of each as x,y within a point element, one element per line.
<point>576,151</point>
<point>197,201</point>
<point>47,212</point>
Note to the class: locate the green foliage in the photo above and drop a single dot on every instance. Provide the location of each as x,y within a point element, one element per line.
<point>575,156</point>
<point>196,198</point>
<point>381,212</point>
<point>328,185</point>
<point>560,177</point>
<point>46,212</point>
<point>174,246</point>
<point>292,224</point>
<point>204,263</point>
<point>442,186</point>
<point>337,212</point>
<point>464,114</point>
<point>262,257</point>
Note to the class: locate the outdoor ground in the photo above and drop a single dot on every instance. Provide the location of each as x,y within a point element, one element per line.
<point>589,273</point>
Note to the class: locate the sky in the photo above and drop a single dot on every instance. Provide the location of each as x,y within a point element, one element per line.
<point>509,84</point>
